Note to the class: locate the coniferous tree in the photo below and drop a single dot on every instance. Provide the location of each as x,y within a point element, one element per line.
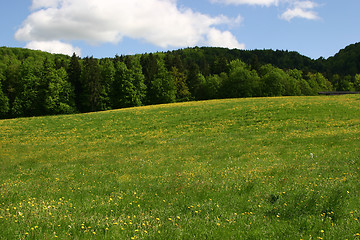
<point>74,73</point>
<point>107,74</point>
<point>92,83</point>
<point>182,90</point>
<point>194,78</point>
<point>4,101</point>
<point>149,65</point>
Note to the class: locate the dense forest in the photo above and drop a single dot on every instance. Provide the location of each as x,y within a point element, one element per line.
<point>34,83</point>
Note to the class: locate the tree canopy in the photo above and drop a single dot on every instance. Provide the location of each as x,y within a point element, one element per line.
<point>34,83</point>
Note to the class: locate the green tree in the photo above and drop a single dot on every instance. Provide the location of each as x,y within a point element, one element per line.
<point>345,84</point>
<point>182,90</point>
<point>4,100</point>
<point>122,87</point>
<point>305,88</point>
<point>28,101</point>
<point>211,87</point>
<point>128,88</point>
<point>292,85</point>
<point>74,73</point>
<point>59,94</point>
<point>11,83</point>
<point>357,82</point>
<point>162,88</point>
<point>273,80</point>
<point>149,66</point>
<point>138,82</point>
<point>241,82</point>
<point>107,75</point>
<point>92,83</point>
<point>194,79</point>
<point>318,83</point>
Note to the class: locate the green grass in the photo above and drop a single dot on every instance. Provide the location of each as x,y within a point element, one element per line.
<point>266,168</point>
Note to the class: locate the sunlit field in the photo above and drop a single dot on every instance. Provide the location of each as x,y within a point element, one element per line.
<point>266,168</point>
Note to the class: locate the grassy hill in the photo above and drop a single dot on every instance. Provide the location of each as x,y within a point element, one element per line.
<point>266,168</point>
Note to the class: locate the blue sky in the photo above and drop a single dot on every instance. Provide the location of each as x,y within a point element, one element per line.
<point>103,28</point>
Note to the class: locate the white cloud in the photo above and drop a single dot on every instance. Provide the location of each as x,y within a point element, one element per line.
<point>294,8</point>
<point>301,9</point>
<point>54,47</point>
<point>159,22</point>
<point>223,39</point>
<point>36,4</point>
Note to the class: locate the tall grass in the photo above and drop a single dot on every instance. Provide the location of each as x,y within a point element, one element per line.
<point>266,168</point>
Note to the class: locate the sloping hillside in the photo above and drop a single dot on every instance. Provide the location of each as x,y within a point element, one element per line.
<point>265,168</point>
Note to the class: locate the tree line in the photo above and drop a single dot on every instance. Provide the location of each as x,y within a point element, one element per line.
<point>34,83</point>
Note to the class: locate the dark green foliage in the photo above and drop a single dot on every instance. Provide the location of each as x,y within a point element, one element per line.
<point>28,100</point>
<point>182,90</point>
<point>273,80</point>
<point>38,83</point>
<point>74,73</point>
<point>357,82</point>
<point>345,62</point>
<point>128,88</point>
<point>121,86</point>
<point>162,88</point>
<point>194,78</point>
<point>212,86</point>
<point>59,95</point>
<point>91,81</point>
<point>108,75</point>
<point>4,100</point>
<point>242,82</point>
<point>318,83</point>
<point>293,85</point>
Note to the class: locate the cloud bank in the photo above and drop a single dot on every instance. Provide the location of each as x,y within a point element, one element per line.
<point>294,8</point>
<point>53,24</point>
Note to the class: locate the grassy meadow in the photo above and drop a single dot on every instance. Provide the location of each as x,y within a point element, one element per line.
<point>265,168</point>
